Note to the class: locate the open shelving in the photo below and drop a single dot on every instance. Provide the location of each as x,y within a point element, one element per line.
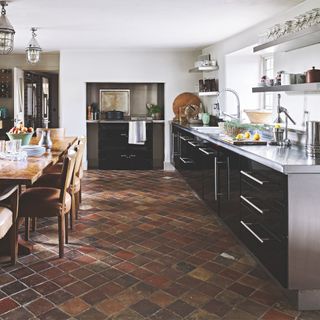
<point>301,87</point>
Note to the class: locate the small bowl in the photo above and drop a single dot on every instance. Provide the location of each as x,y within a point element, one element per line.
<point>25,137</point>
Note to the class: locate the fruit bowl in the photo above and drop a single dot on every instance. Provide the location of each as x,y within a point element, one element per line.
<point>24,136</point>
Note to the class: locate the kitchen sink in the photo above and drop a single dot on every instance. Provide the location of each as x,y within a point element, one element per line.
<point>208,129</point>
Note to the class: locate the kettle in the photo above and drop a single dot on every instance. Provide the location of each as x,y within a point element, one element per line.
<point>313,75</point>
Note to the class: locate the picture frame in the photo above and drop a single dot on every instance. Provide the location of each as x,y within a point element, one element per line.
<point>115,99</point>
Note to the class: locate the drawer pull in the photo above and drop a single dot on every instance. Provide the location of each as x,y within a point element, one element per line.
<point>132,156</point>
<point>123,135</point>
<point>185,138</point>
<point>194,144</point>
<point>253,178</point>
<point>186,160</point>
<point>253,233</point>
<point>208,153</point>
<point>252,205</point>
<point>123,156</point>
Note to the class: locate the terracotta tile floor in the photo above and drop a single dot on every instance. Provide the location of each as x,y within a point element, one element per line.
<point>144,248</point>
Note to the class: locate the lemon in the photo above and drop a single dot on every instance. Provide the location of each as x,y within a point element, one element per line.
<point>239,136</point>
<point>247,135</point>
<point>277,125</point>
<point>256,136</point>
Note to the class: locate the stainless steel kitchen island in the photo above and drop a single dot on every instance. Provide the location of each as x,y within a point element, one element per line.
<point>269,198</point>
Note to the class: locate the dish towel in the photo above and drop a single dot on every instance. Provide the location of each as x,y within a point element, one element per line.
<point>137,132</point>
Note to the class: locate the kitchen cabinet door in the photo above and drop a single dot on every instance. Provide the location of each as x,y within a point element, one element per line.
<point>229,196</point>
<point>209,163</point>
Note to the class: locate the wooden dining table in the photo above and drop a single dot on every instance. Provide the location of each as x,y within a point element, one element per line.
<point>26,172</point>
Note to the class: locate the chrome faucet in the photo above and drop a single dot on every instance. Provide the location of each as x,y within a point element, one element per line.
<point>286,142</point>
<point>222,113</point>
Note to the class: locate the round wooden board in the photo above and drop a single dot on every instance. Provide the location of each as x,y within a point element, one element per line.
<point>184,99</point>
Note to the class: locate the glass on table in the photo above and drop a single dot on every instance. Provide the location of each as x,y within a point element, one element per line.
<point>2,147</point>
<point>17,145</point>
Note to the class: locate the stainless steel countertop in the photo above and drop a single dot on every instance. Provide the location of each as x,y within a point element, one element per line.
<point>286,160</point>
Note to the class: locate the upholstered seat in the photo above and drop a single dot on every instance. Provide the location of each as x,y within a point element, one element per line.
<point>9,197</point>
<point>39,202</point>
<point>6,221</point>
<point>43,201</point>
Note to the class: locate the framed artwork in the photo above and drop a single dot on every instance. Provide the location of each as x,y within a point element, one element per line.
<point>112,99</point>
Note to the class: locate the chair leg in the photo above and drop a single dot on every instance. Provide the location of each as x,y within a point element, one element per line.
<point>80,194</point>
<point>14,243</point>
<point>73,210</point>
<point>34,224</point>
<point>26,228</point>
<point>61,231</point>
<point>66,227</point>
<point>77,201</point>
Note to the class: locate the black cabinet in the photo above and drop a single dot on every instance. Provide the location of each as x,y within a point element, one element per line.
<point>264,219</point>
<point>115,152</point>
<point>209,164</point>
<point>229,192</point>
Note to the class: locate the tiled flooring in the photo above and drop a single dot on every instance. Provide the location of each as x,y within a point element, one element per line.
<point>144,248</point>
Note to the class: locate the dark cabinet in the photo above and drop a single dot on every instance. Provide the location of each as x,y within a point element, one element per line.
<point>264,220</point>
<point>249,197</point>
<point>229,193</point>
<point>115,152</point>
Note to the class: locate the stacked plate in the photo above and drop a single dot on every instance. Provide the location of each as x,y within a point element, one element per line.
<point>34,151</point>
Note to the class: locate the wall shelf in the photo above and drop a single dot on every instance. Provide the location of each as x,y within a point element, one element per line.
<point>207,93</point>
<point>300,39</point>
<point>204,69</point>
<point>301,87</point>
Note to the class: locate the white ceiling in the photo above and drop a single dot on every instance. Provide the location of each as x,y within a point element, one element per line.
<point>136,24</point>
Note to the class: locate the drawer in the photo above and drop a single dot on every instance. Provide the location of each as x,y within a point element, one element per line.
<point>272,253</point>
<point>267,198</point>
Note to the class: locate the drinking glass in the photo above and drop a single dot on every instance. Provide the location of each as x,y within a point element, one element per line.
<point>17,145</point>
<point>2,147</point>
<point>9,147</point>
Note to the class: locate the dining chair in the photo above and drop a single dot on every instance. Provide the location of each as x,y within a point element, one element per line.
<point>55,133</point>
<point>53,180</point>
<point>9,199</point>
<point>43,202</point>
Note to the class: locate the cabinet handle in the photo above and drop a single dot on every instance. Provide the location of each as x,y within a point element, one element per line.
<point>208,153</point>
<point>185,138</point>
<point>253,178</point>
<point>228,178</point>
<point>132,156</point>
<point>253,233</point>
<point>186,160</point>
<point>123,135</point>
<point>252,204</point>
<point>123,156</point>
<point>215,178</point>
<point>194,144</point>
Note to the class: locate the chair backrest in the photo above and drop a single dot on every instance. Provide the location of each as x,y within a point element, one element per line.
<point>67,173</point>
<point>55,133</point>
<point>80,149</point>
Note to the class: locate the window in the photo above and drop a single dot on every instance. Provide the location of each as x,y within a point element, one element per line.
<point>267,70</point>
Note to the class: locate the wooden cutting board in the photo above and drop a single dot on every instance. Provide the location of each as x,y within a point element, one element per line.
<point>184,99</point>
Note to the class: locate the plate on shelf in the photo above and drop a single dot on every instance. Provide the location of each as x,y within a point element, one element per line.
<point>34,150</point>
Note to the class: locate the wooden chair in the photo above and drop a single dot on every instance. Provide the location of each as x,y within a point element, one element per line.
<point>9,198</point>
<point>42,202</point>
<point>55,133</point>
<point>53,179</point>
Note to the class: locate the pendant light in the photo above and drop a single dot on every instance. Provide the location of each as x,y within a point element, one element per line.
<point>33,50</point>
<point>6,31</point>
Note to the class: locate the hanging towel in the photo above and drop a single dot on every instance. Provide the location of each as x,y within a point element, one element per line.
<point>137,132</point>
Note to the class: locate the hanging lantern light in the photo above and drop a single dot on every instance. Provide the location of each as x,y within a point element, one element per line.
<point>6,31</point>
<point>33,50</point>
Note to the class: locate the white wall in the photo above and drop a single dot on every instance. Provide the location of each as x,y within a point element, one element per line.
<point>295,61</point>
<point>77,68</point>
